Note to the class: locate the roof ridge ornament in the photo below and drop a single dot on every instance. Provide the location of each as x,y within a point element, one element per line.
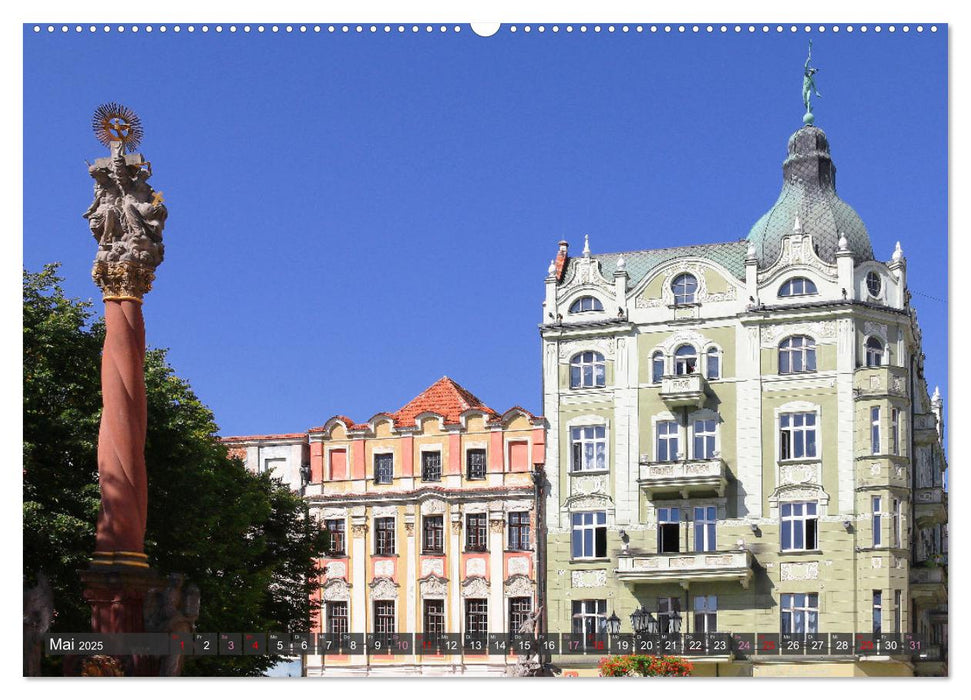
<point>796,226</point>
<point>809,87</point>
<point>843,243</point>
<point>898,253</point>
<point>586,245</point>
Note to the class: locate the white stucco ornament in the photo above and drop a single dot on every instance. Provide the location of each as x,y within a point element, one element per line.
<point>621,263</point>
<point>843,243</point>
<point>551,270</point>
<point>586,246</point>
<point>898,253</point>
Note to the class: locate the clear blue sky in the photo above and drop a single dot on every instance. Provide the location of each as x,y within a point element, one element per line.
<point>352,216</point>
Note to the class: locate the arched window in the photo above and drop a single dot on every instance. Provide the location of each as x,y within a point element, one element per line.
<point>685,360</point>
<point>587,369</point>
<point>797,286</point>
<point>874,352</point>
<point>657,367</point>
<point>586,304</point>
<point>713,363</point>
<point>684,287</point>
<point>797,354</point>
<point>873,283</point>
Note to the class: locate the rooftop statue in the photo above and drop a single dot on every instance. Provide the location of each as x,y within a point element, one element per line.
<point>809,86</point>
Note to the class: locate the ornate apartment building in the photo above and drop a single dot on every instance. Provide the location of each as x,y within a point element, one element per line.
<point>741,438</point>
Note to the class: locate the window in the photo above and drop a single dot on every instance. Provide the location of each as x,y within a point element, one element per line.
<point>586,304</point>
<point>684,287</point>
<point>383,468</point>
<point>384,536</point>
<point>705,517</point>
<point>589,448</point>
<point>706,613</point>
<point>877,612</point>
<point>685,360</point>
<point>875,523</point>
<point>874,352</point>
<point>873,283</point>
<point>713,364</point>
<point>895,523</point>
<point>896,611</point>
<point>476,532</point>
<point>797,286</point>
<point>477,617</point>
<point>432,534</point>
<point>519,531</point>
<point>895,431</point>
<point>337,617</point>
<point>434,617</point>
<point>384,617</point>
<point>431,466</point>
<point>335,528</point>
<point>875,430</point>
<point>587,369</point>
<point>475,464</point>
<point>669,615</point>
<point>798,526</point>
<point>667,441</point>
<point>704,438</point>
<point>589,617</point>
<point>519,610</point>
<point>800,613</point>
<point>668,530</point>
<point>797,354</point>
<point>797,435</point>
<point>589,535</point>
<point>657,367</point>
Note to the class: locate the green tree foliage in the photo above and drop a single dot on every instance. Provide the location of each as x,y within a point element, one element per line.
<point>246,540</point>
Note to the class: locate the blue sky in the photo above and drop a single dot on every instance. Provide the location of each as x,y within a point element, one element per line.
<point>352,216</point>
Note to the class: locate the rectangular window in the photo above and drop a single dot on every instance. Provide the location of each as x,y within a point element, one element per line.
<point>475,464</point>
<point>476,532</point>
<point>336,545</point>
<point>519,610</point>
<point>432,534</point>
<point>477,617</point>
<point>705,528</point>
<point>800,613</point>
<point>337,617</point>
<point>669,615</point>
<point>896,611</point>
<point>798,526</point>
<point>519,531</point>
<point>338,465</point>
<point>519,456</point>
<point>704,442</point>
<point>876,521</point>
<point>434,617</point>
<point>589,448</point>
<point>875,430</point>
<point>383,468</point>
<point>384,617</point>
<point>895,431</point>
<point>589,535</point>
<point>895,523</point>
<point>706,613</point>
<point>797,435</point>
<point>431,466</point>
<point>668,530</point>
<point>667,441</point>
<point>589,617</point>
<point>657,368</point>
<point>877,612</point>
<point>384,536</point>
<point>713,365</point>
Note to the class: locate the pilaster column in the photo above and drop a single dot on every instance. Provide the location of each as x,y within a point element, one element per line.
<point>454,584</point>
<point>497,524</point>
<point>359,611</point>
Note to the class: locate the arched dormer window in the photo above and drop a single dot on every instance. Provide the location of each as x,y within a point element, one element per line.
<point>684,287</point>
<point>686,360</point>
<point>587,369</point>
<point>586,303</point>
<point>797,354</point>
<point>713,365</point>
<point>657,367</point>
<point>874,352</point>
<point>797,287</point>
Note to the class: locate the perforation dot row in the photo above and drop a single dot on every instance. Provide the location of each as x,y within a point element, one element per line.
<point>414,28</point>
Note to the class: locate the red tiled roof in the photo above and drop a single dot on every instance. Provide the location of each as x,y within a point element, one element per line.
<point>446,398</point>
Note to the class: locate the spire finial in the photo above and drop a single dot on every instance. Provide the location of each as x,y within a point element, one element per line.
<point>551,270</point>
<point>898,253</point>
<point>796,226</point>
<point>621,264</point>
<point>843,243</point>
<point>586,245</point>
<point>809,87</point>
<point>936,398</point>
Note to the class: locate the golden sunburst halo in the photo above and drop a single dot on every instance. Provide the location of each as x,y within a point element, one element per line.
<point>113,122</point>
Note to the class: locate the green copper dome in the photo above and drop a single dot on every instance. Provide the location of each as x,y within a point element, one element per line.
<point>809,193</point>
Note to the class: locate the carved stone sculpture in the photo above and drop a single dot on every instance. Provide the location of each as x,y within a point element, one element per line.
<point>172,609</point>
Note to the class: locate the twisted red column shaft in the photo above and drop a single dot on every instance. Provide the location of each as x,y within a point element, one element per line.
<point>121,440</point>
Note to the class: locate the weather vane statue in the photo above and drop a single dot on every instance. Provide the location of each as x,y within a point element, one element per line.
<point>809,87</point>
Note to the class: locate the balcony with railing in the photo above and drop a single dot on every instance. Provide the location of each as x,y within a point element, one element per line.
<point>686,568</point>
<point>687,478</point>
<point>683,390</point>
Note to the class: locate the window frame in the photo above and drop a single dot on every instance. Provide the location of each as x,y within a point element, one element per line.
<point>713,357</point>
<point>518,539</point>
<point>384,619</point>
<point>337,535</point>
<point>668,521</point>
<point>708,437</point>
<point>588,362</point>
<point>671,435</point>
<point>895,431</point>
<point>579,439</point>
<point>576,307</point>
<point>588,616</point>
<point>874,350</point>
<point>657,358</point>
<point>684,296</point>
<point>805,350</point>
<point>788,287</point>
<point>707,613</point>
<point>669,611</point>
<point>477,475</point>
<point>433,621</point>
<point>802,518</point>
<point>896,521</point>
<point>426,469</point>
<point>384,536</point>
<point>520,607</point>
<point>686,364</point>
<point>476,617</point>
<point>705,528</point>
<point>876,518</point>
<point>378,459</point>
<point>593,522</point>
<point>868,281</point>
<point>476,532</point>
<point>337,623</point>
<point>432,534</point>
<point>876,611</point>
<point>874,430</point>
<point>789,434</point>
<point>805,605</point>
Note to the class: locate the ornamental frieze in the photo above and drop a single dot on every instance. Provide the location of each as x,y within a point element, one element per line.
<point>517,565</point>
<point>432,506</point>
<point>383,589</point>
<point>431,567</point>
<point>876,329</point>
<point>817,330</point>
<point>475,587</point>
<point>518,587</point>
<point>334,513</point>
<point>432,586</point>
<point>335,569</point>
<point>799,571</point>
<point>570,348</point>
<point>585,485</point>
<point>590,578</point>
<point>337,589</point>
<point>585,272</point>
